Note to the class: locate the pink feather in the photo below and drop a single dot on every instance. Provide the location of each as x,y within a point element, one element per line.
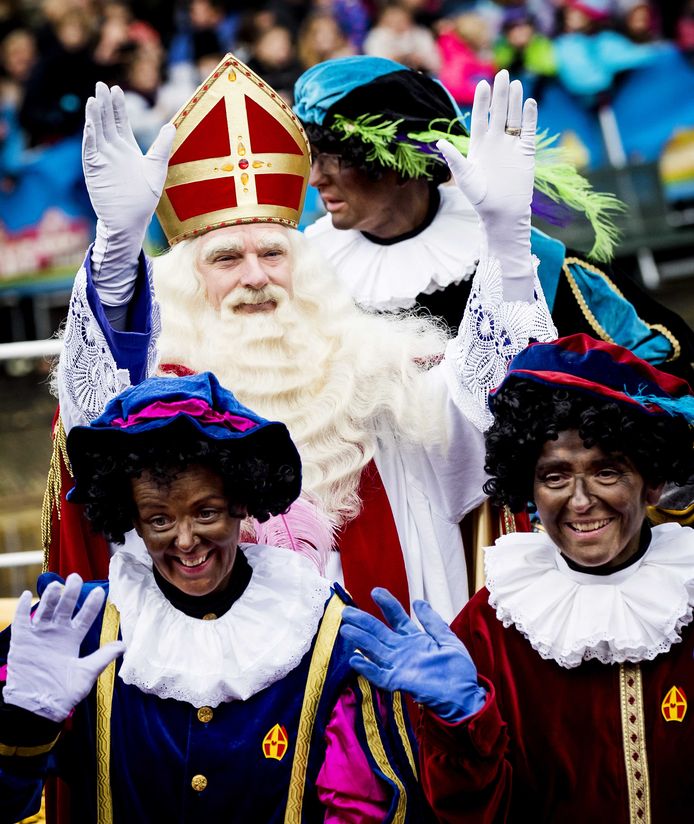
<point>305,529</point>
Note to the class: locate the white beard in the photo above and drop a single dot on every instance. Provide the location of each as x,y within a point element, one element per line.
<point>331,372</point>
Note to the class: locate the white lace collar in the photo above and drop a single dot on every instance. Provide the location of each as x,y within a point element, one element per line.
<point>390,277</point>
<point>259,640</point>
<point>569,616</point>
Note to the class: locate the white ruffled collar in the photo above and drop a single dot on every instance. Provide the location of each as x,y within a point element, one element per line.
<point>388,278</point>
<point>569,616</point>
<point>260,639</point>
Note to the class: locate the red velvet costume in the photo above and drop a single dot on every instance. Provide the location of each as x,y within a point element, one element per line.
<point>548,744</point>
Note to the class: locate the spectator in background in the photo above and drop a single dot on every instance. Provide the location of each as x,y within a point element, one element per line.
<point>352,17</point>
<point>149,100</point>
<point>397,37</point>
<point>60,82</point>
<point>527,54</point>
<point>11,17</point>
<point>685,31</point>
<point>590,53</point>
<point>113,43</point>
<point>202,16</point>
<point>207,52</point>
<point>639,24</point>
<point>251,25</point>
<point>466,57</point>
<point>273,57</point>
<point>321,38</point>
<point>17,58</point>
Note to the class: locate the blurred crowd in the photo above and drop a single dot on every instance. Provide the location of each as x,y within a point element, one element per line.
<point>53,51</point>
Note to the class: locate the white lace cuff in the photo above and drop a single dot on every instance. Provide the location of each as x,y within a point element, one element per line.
<point>491,334</point>
<point>88,375</point>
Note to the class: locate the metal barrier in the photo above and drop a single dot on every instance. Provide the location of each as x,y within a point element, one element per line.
<point>30,349</point>
<point>17,559</point>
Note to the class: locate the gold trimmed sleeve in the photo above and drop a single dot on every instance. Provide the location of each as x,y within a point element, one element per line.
<point>104,699</point>
<point>318,670</point>
<point>593,321</point>
<point>378,750</point>
<point>399,713</point>
<point>8,750</point>
<point>634,743</point>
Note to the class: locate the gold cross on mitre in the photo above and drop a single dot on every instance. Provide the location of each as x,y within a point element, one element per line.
<point>240,156</point>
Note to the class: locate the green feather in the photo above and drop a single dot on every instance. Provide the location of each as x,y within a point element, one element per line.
<point>555,176</point>
<point>558,178</point>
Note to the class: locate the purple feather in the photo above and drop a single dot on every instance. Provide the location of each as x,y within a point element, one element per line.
<point>558,214</point>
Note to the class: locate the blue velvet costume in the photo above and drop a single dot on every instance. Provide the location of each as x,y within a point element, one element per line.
<point>170,762</point>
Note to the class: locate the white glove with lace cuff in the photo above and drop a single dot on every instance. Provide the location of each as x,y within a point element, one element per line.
<point>45,674</point>
<point>124,187</point>
<point>497,177</point>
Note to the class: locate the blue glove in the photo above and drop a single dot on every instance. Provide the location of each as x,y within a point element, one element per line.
<point>433,666</point>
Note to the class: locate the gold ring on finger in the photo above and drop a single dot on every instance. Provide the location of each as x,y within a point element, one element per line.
<point>514,131</point>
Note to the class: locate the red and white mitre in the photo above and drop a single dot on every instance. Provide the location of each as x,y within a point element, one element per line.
<point>240,156</point>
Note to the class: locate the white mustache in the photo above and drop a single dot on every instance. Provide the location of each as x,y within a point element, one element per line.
<point>243,295</point>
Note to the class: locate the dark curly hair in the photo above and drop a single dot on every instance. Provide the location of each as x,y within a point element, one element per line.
<point>261,487</point>
<point>353,152</point>
<point>528,414</point>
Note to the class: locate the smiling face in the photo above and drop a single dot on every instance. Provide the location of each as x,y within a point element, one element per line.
<point>252,261</point>
<point>188,529</point>
<point>592,504</point>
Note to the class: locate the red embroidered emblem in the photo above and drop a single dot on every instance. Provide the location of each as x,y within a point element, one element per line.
<point>674,706</point>
<point>275,743</point>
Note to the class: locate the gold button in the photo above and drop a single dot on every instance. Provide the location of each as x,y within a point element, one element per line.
<point>209,617</point>
<point>199,783</point>
<point>205,714</point>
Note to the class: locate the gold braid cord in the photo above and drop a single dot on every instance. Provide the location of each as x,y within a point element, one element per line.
<point>402,730</point>
<point>51,497</point>
<point>104,699</point>
<point>315,682</point>
<point>509,522</point>
<point>634,741</point>
<point>378,751</point>
<point>489,522</point>
<point>593,321</point>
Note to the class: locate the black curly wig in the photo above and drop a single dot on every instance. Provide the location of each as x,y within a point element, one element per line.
<point>260,487</point>
<point>527,414</point>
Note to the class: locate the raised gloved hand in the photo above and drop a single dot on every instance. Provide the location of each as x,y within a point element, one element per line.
<point>124,186</point>
<point>433,666</point>
<point>45,674</point>
<point>498,174</point>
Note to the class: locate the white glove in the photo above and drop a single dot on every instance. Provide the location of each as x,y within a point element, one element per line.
<point>124,186</point>
<point>497,177</point>
<point>45,674</point>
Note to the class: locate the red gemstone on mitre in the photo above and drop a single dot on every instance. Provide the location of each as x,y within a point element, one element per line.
<point>243,163</point>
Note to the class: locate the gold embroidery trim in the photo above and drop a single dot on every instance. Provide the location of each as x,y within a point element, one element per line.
<point>509,520</point>
<point>28,752</point>
<point>378,751</point>
<point>399,713</point>
<point>104,699</point>
<point>315,682</point>
<point>665,332</point>
<point>593,321</point>
<point>634,743</point>
<point>51,497</point>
